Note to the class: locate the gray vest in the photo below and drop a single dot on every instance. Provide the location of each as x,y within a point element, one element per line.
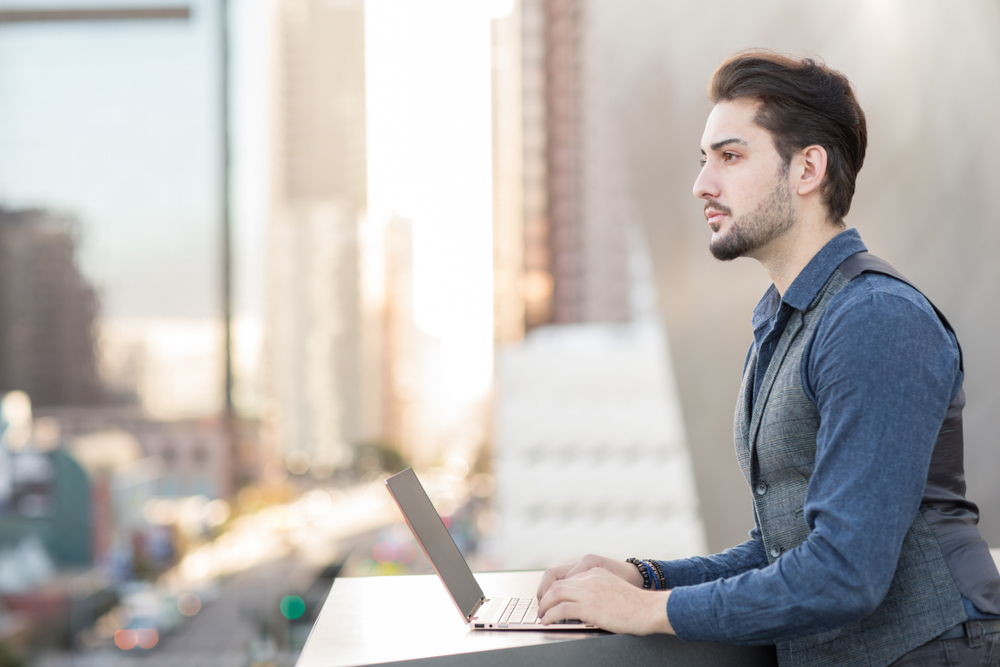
<point>776,448</point>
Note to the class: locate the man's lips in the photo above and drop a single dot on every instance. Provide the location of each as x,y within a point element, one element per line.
<point>714,215</point>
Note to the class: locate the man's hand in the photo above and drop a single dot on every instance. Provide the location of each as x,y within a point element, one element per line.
<point>625,571</point>
<point>598,596</point>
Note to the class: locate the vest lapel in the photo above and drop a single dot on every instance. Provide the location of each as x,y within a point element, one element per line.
<point>741,423</point>
<point>788,335</point>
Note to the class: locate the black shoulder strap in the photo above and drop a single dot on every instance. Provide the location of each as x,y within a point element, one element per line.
<point>863,262</point>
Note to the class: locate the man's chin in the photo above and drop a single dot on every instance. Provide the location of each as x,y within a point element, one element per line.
<point>723,256</point>
<point>724,250</point>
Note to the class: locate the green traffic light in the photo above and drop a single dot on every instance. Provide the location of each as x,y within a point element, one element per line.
<point>292,607</point>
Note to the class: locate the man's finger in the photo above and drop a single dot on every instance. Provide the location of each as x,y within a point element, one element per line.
<point>560,592</point>
<point>578,567</point>
<point>561,612</point>
<point>551,576</point>
<point>585,564</point>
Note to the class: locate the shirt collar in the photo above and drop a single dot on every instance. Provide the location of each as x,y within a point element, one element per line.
<point>811,279</point>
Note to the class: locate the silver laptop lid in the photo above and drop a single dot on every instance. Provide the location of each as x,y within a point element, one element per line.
<point>436,541</point>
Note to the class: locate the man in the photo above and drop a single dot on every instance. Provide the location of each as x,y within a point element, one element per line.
<point>848,421</point>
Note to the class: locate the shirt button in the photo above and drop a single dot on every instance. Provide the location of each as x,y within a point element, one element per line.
<point>775,552</point>
<point>761,488</point>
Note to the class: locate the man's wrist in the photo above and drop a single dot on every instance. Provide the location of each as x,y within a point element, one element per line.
<point>634,573</point>
<point>656,612</point>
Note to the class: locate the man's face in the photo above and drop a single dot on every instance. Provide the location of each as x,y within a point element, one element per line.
<point>744,182</point>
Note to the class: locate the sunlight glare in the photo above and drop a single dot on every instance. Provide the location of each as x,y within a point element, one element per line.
<point>429,134</point>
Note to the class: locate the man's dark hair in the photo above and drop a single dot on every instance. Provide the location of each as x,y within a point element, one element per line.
<point>803,103</point>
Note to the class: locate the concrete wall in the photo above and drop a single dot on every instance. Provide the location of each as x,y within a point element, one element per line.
<point>928,75</point>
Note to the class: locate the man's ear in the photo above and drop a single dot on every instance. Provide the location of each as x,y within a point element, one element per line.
<point>812,161</point>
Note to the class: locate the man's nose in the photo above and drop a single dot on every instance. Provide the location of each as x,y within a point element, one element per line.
<point>705,186</point>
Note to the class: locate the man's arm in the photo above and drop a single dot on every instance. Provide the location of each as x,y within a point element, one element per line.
<point>742,558</point>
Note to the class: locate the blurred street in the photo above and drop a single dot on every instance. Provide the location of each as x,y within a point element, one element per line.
<point>230,630</point>
<point>245,617</point>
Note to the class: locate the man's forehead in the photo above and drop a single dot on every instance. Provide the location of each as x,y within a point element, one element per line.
<point>732,123</point>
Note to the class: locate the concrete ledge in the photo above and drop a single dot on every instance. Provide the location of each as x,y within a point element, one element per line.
<point>654,650</point>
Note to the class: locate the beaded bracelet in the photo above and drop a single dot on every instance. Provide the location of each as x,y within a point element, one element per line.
<point>659,571</point>
<point>653,574</point>
<point>646,581</point>
<point>653,577</point>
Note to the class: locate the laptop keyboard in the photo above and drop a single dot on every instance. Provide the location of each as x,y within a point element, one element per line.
<point>525,610</point>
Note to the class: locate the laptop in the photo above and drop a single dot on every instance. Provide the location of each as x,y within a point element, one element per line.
<point>477,610</point>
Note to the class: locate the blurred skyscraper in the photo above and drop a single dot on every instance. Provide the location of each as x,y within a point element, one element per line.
<point>561,235</point>
<point>317,384</point>
<point>511,197</point>
<point>48,312</point>
<point>589,445</point>
<point>401,342</point>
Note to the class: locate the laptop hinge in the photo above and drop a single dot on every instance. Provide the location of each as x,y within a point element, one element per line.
<point>472,613</point>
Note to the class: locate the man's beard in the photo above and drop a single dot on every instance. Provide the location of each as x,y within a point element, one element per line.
<point>772,218</point>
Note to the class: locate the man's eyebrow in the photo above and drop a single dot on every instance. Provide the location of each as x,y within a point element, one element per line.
<point>726,142</point>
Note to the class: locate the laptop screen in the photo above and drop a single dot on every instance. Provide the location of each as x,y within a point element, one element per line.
<point>435,539</point>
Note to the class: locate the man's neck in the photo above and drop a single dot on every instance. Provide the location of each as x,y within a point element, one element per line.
<point>785,257</point>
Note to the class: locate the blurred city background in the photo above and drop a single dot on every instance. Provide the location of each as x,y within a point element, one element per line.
<point>258,255</point>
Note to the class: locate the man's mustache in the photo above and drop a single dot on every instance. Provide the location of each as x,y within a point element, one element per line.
<point>718,206</point>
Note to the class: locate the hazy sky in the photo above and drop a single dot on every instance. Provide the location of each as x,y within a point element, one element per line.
<point>117,123</point>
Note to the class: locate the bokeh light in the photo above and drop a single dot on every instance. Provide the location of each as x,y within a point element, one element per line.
<point>126,639</point>
<point>297,462</point>
<point>147,637</point>
<point>457,468</point>
<point>188,604</point>
<point>384,552</point>
<point>405,553</point>
<point>292,607</point>
<point>216,512</point>
<point>482,485</point>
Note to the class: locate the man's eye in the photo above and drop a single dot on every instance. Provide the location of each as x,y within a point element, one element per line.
<point>728,157</point>
<point>702,162</point>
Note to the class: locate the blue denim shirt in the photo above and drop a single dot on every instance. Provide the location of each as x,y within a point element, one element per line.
<point>880,415</point>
